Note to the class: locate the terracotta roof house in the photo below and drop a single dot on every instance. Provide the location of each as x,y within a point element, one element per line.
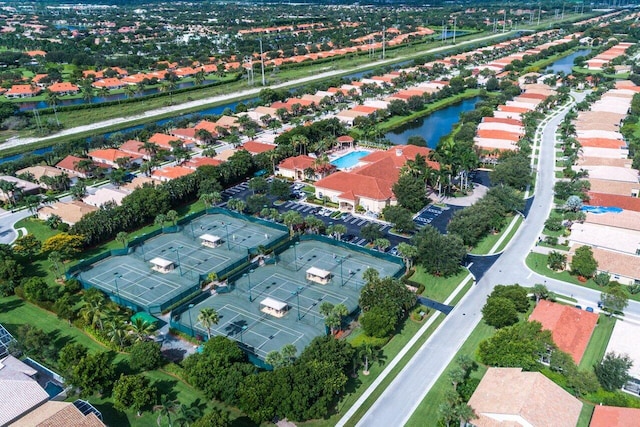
<point>164,141</point>
<point>134,147</point>
<point>228,122</point>
<point>69,165</point>
<point>171,172</point>
<point>255,147</point>
<point>615,239</point>
<point>345,140</point>
<point>64,88</point>
<point>624,340</point>
<point>109,83</point>
<point>624,219</point>
<point>613,416</point>
<point>508,397</point>
<point>623,268</point>
<point>19,391</point>
<point>624,202</point>
<point>110,156</point>
<point>207,125</point>
<point>196,162</point>
<point>69,212</point>
<point>294,167</point>
<point>22,91</point>
<point>370,185</point>
<point>55,414</point>
<point>139,182</point>
<point>187,136</point>
<point>570,327</point>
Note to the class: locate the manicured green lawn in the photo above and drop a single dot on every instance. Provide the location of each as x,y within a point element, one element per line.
<point>585,415</point>
<point>512,232</point>
<point>428,409</point>
<point>37,227</point>
<point>485,245</point>
<point>438,288</point>
<point>598,342</point>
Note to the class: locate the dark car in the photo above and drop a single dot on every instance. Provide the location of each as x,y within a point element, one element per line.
<point>348,237</point>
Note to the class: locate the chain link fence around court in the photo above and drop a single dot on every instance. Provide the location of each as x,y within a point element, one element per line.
<point>243,237</point>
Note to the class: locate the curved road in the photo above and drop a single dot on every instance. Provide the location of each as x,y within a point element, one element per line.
<point>400,399</point>
<point>15,142</point>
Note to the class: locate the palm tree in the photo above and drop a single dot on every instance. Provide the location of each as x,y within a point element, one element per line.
<point>208,317</point>
<point>172,216</point>
<point>9,188</point>
<point>141,328</point>
<point>32,201</point>
<point>187,415</point>
<point>165,409</point>
<point>55,259</point>
<point>53,99</point>
<point>85,165</point>
<point>93,312</point>
<point>78,191</point>
<point>211,199</point>
<point>117,331</point>
<point>160,220</point>
<point>54,221</point>
<point>368,353</point>
<point>50,197</point>
<point>199,77</point>
<point>408,253</point>
<point>122,237</point>
<point>288,353</point>
<point>291,219</point>
<point>129,91</point>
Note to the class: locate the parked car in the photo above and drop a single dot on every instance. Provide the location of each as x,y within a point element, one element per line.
<point>589,309</point>
<point>579,307</point>
<point>394,251</point>
<point>347,237</point>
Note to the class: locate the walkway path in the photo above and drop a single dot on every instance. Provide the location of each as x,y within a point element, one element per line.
<point>400,399</point>
<point>15,142</point>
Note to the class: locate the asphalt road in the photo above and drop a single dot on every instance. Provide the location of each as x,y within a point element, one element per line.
<point>400,399</point>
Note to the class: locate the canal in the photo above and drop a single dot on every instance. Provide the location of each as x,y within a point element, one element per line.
<point>565,64</point>
<point>434,126</point>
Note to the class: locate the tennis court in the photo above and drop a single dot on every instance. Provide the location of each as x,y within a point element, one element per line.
<point>273,305</point>
<point>166,268</point>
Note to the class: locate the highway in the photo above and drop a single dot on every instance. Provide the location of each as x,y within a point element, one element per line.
<point>400,399</point>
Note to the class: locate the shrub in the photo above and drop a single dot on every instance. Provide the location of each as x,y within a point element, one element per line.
<point>363,339</point>
<point>145,356</point>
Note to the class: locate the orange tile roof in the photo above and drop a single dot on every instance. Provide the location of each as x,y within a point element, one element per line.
<point>613,416</point>
<point>208,126</point>
<point>110,82</point>
<point>498,134</point>
<point>111,155</point>
<point>614,200</point>
<point>601,142</point>
<point>570,327</point>
<point>63,87</point>
<point>297,163</point>
<point>511,109</point>
<point>69,163</point>
<point>172,172</point>
<point>184,132</point>
<point>196,162</point>
<point>345,139</point>
<point>163,140</point>
<point>501,120</point>
<point>23,90</point>
<point>351,184</point>
<point>365,109</point>
<point>33,53</point>
<point>255,147</point>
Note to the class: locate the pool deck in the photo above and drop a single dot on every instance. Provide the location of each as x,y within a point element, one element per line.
<point>337,155</point>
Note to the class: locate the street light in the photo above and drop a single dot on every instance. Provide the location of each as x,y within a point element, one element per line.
<point>226,228</point>
<point>190,321</point>
<point>340,261</point>
<point>177,251</point>
<point>244,328</point>
<point>297,294</point>
<point>295,255</point>
<point>248,276</point>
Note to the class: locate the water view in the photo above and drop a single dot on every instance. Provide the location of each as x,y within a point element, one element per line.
<point>566,64</point>
<point>433,127</point>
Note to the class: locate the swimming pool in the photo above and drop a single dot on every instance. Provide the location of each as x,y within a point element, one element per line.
<point>349,160</point>
<point>601,209</point>
<point>53,389</point>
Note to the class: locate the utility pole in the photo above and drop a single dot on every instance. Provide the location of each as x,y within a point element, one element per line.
<point>539,11</point>
<point>455,18</point>
<point>264,83</point>
<point>504,22</point>
<point>383,41</point>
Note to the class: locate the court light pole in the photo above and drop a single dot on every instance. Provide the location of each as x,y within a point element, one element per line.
<point>340,261</point>
<point>244,328</point>
<point>248,276</point>
<point>177,251</point>
<point>117,276</point>
<point>297,294</point>
<point>191,321</point>
<point>226,229</point>
<point>295,256</point>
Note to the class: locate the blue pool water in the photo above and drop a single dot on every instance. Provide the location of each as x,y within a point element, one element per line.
<point>53,389</point>
<point>349,160</point>
<point>601,209</point>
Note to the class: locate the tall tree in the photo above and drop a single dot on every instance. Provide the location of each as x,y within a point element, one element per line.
<point>208,317</point>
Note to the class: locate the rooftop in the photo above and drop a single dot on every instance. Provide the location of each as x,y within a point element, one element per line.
<point>19,392</point>
<point>624,340</point>
<point>613,416</point>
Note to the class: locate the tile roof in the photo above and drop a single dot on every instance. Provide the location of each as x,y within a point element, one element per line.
<point>508,397</point>
<point>361,185</point>
<point>614,200</point>
<point>23,90</point>
<point>134,146</point>
<point>112,154</point>
<point>613,416</point>
<point>570,327</point>
<point>196,162</point>
<point>69,212</point>
<point>506,121</point>
<point>39,171</point>
<point>498,134</point>
<point>63,87</point>
<point>617,263</point>
<point>255,147</point>
<point>189,133</point>
<point>163,140</point>
<point>601,142</point>
<point>171,172</point>
<point>19,392</point>
<point>297,163</point>
<point>624,219</point>
<point>207,125</point>
<point>58,414</point>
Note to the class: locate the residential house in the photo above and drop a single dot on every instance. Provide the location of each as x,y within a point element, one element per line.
<point>255,147</point>
<point>621,267</point>
<point>511,397</point>
<point>187,136</point>
<point>624,340</point>
<point>40,171</point>
<point>22,91</point>
<point>67,414</point>
<point>111,156</point>
<point>106,195</point>
<point>69,212</point>
<point>20,393</point>
<point>163,141</point>
<point>294,167</point>
<point>23,188</point>
<point>196,162</point>
<point>70,165</point>
<point>571,327</point>
<point>614,416</point>
<point>171,172</point>
<point>64,88</point>
<point>134,148</point>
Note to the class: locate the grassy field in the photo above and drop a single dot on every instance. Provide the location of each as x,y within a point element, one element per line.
<point>598,342</point>
<point>438,288</point>
<point>428,409</point>
<point>585,415</point>
<point>512,232</point>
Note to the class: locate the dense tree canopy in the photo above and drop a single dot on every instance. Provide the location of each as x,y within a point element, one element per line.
<point>439,254</point>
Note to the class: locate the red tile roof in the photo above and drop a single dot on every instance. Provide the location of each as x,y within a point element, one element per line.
<point>64,87</point>
<point>23,90</point>
<point>297,163</point>
<point>207,125</point>
<point>570,327</point>
<point>255,147</point>
<point>172,172</point>
<point>184,132</point>
<point>135,147</point>
<point>351,184</point>
<point>163,140</point>
<point>196,162</point>
<point>69,163</point>
<point>365,109</point>
<point>601,142</point>
<point>510,109</point>
<point>612,416</point>
<point>498,134</point>
<point>614,200</point>
<point>501,120</point>
<point>111,154</point>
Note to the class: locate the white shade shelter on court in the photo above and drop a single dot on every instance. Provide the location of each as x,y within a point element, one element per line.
<point>318,275</point>
<point>162,265</point>
<point>210,240</point>
<point>273,307</point>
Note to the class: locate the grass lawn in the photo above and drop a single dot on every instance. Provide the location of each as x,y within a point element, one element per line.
<point>37,227</point>
<point>538,263</point>
<point>585,415</point>
<point>598,342</point>
<point>513,231</point>
<point>485,245</point>
<point>428,409</point>
<point>438,288</point>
